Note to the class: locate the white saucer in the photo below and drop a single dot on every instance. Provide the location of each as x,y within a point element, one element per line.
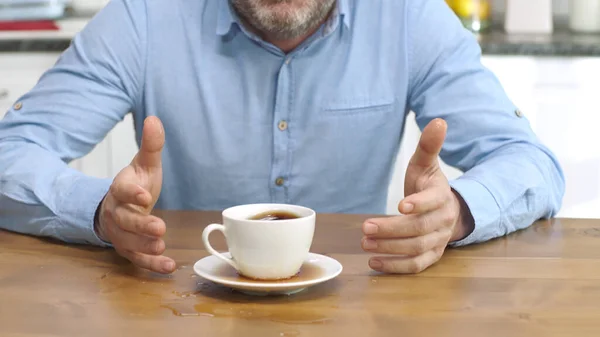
<point>216,270</point>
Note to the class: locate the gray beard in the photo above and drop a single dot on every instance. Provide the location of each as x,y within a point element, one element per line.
<point>282,25</point>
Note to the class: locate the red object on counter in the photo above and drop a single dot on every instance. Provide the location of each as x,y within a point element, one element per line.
<point>28,25</point>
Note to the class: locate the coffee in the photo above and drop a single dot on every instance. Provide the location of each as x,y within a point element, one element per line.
<point>274,216</point>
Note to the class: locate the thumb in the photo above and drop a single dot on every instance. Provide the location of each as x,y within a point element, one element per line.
<point>153,140</point>
<point>430,144</point>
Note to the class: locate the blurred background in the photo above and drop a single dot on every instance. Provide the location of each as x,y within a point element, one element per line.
<point>546,53</point>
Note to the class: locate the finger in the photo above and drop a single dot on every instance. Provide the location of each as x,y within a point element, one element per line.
<point>403,226</point>
<point>132,221</point>
<point>130,193</point>
<point>430,143</point>
<point>408,247</point>
<point>159,264</point>
<point>425,201</point>
<point>153,140</point>
<point>406,265</point>
<point>138,243</point>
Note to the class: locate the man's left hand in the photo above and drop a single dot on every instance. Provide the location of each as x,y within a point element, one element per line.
<point>433,214</point>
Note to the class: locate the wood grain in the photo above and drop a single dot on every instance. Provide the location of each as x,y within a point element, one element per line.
<point>543,281</point>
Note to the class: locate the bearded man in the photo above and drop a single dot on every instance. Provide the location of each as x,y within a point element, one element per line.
<point>279,101</point>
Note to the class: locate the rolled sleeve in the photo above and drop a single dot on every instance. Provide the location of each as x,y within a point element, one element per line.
<point>483,207</point>
<point>79,209</point>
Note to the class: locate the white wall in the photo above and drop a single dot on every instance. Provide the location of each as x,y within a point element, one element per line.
<point>560,98</point>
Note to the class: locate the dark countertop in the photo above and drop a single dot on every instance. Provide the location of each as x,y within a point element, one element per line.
<point>34,45</point>
<point>562,43</point>
<point>495,41</point>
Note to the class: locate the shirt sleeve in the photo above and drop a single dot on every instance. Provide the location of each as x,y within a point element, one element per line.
<point>510,179</point>
<point>94,84</point>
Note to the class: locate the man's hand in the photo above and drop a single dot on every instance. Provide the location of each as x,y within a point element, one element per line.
<point>124,216</point>
<point>434,214</point>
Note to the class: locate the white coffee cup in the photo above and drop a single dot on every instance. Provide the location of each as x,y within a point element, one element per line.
<point>265,249</point>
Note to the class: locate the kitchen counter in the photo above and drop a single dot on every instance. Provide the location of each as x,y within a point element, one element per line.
<point>562,43</point>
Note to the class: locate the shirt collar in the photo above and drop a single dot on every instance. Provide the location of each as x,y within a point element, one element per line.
<point>227,19</point>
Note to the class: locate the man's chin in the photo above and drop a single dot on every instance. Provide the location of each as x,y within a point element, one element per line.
<point>283,19</point>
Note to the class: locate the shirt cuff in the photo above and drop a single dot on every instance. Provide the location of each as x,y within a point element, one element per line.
<point>79,207</point>
<point>483,207</point>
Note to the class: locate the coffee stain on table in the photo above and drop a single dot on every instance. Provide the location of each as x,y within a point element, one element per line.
<point>286,315</point>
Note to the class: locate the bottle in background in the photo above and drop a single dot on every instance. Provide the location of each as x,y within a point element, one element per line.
<point>474,14</point>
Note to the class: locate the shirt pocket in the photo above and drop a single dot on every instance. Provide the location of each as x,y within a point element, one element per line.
<point>352,106</point>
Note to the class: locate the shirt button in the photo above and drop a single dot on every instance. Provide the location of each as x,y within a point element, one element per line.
<point>279,181</point>
<point>18,106</point>
<point>282,125</point>
<point>519,113</point>
<point>288,60</point>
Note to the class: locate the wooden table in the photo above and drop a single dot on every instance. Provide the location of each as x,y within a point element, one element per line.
<point>544,281</point>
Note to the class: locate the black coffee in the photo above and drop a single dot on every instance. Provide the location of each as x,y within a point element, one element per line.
<point>274,216</point>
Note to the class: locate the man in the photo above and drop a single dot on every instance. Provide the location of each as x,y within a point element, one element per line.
<point>291,101</point>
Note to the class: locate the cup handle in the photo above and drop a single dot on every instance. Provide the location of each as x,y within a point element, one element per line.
<point>205,239</point>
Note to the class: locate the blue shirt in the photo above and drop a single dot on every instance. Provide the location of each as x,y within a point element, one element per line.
<point>221,93</point>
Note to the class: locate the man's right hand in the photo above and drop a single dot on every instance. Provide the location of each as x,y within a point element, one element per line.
<point>124,218</point>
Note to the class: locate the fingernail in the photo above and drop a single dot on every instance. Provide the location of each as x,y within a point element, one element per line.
<point>408,207</point>
<point>168,265</point>
<point>375,264</point>
<point>370,244</point>
<point>370,228</point>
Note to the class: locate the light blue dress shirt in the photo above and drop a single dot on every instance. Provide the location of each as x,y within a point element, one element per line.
<point>221,93</point>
